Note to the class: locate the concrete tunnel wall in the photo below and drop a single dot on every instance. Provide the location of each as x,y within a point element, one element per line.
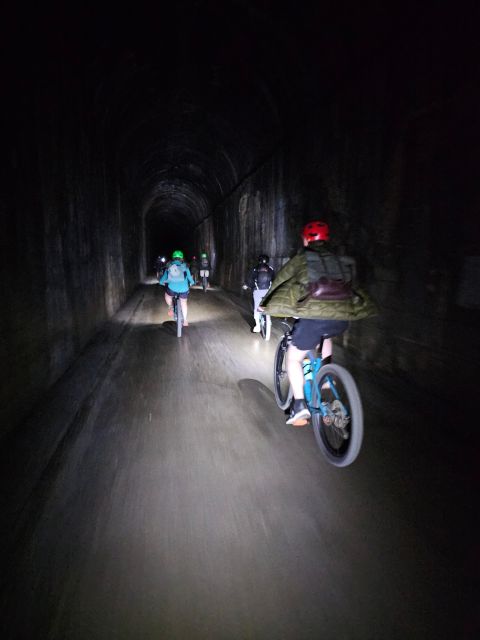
<point>70,246</point>
<point>389,163</point>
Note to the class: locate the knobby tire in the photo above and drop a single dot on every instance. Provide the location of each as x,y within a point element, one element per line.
<point>281,385</point>
<point>179,317</point>
<point>338,450</point>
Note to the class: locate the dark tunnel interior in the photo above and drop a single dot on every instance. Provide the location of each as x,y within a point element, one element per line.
<point>224,126</point>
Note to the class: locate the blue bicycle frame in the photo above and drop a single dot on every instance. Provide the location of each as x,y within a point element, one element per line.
<point>311,379</point>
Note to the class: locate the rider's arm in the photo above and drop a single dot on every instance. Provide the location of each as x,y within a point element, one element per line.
<point>250,282</point>
<point>191,281</point>
<point>289,270</point>
<point>164,277</point>
<point>286,272</point>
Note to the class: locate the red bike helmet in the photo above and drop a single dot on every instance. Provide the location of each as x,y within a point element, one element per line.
<point>316,230</point>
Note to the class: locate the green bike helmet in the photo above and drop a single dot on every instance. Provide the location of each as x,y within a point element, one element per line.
<point>177,254</point>
<point>203,255</point>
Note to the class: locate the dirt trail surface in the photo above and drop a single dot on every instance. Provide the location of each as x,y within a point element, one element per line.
<point>159,494</point>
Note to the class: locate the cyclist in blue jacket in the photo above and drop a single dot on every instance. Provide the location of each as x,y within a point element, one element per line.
<point>178,279</point>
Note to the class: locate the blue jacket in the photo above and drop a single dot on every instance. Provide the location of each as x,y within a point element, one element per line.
<point>177,287</point>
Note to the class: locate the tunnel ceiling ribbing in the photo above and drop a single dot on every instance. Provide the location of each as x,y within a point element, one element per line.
<point>193,96</point>
<point>189,126</point>
<point>203,92</point>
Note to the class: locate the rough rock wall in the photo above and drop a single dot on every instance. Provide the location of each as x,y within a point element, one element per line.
<point>69,253</point>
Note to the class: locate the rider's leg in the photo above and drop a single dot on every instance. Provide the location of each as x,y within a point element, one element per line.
<point>303,339</point>
<point>256,317</point>
<point>299,412</point>
<point>295,358</point>
<point>168,300</point>
<point>183,302</point>
<point>327,350</point>
<point>258,294</point>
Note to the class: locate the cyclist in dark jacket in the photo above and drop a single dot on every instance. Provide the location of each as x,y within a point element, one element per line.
<point>204,266</point>
<point>259,281</point>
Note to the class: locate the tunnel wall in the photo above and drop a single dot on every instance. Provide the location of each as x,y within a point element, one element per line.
<point>70,241</point>
<point>398,189</point>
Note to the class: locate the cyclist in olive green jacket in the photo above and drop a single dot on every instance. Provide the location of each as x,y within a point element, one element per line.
<point>316,288</point>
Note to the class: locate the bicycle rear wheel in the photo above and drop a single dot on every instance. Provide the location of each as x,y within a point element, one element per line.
<point>281,385</point>
<point>204,283</point>
<point>179,317</point>
<point>265,326</point>
<point>339,433</point>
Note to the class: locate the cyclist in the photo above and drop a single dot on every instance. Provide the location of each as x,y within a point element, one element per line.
<point>259,281</point>
<point>178,279</point>
<point>194,268</point>
<point>204,266</point>
<point>316,288</point>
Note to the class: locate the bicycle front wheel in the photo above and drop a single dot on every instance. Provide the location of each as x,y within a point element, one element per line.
<point>281,385</point>
<point>204,283</point>
<point>179,319</point>
<point>337,415</point>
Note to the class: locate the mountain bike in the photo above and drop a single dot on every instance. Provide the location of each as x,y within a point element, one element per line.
<point>332,398</point>
<point>177,313</point>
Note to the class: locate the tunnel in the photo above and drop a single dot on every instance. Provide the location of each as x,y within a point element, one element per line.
<point>150,485</point>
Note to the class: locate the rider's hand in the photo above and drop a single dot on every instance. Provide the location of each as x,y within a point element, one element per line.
<point>261,309</point>
<point>244,287</point>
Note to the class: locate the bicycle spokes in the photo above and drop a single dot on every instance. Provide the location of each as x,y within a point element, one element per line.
<point>337,415</point>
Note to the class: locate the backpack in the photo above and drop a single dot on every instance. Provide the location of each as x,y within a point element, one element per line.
<point>204,263</point>
<point>264,276</point>
<point>328,278</point>
<point>176,272</point>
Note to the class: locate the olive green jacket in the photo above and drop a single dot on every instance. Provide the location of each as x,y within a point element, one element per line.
<point>284,298</point>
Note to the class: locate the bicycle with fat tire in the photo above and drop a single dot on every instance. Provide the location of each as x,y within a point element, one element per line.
<point>332,398</point>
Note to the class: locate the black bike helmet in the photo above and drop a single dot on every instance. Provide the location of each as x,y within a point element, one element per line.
<point>263,259</point>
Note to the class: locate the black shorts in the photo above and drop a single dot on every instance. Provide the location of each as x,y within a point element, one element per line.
<point>171,293</point>
<point>306,334</point>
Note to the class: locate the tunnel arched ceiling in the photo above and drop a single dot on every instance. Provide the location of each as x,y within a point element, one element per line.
<point>194,95</point>
<point>198,94</point>
<point>191,110</point>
